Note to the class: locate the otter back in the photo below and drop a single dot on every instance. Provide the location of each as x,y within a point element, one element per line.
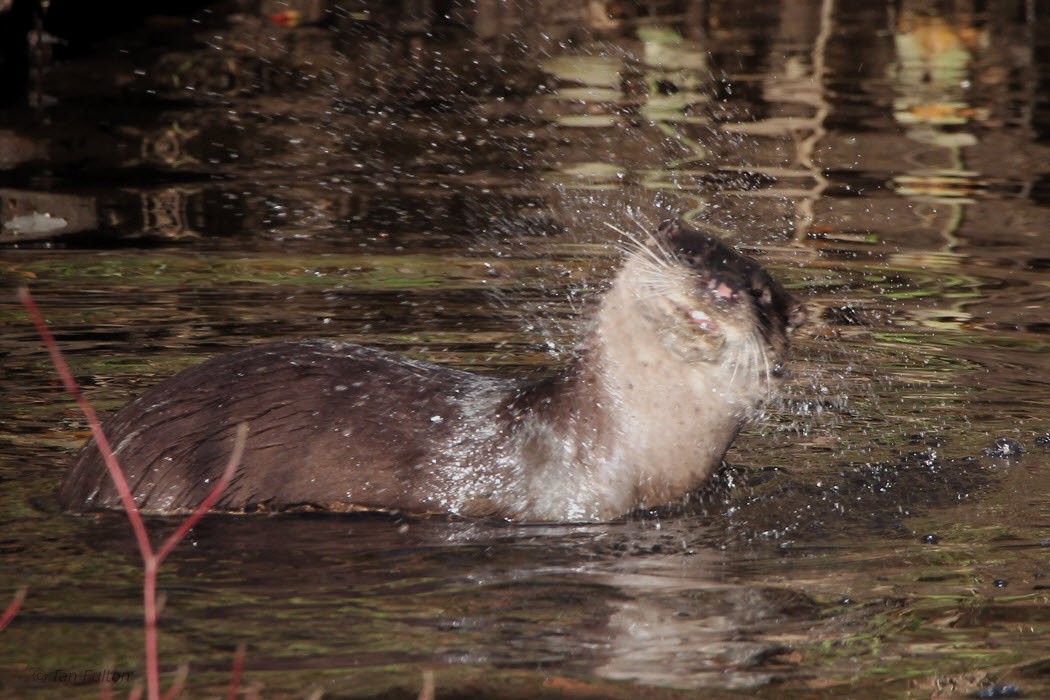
<point>680,353</point>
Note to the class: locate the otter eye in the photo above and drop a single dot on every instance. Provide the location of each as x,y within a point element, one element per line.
<point>762,294</point>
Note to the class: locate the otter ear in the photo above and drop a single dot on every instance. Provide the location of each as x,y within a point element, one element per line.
<point>796,314</point>
<point>667,229</point>
<point>658,238</point>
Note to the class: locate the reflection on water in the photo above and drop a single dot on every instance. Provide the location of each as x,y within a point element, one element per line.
<point>447,180</point>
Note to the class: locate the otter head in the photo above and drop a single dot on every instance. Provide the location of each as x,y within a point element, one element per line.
<point>711,304</point>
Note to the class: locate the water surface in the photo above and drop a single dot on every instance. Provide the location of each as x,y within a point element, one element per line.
<point>450,184</point>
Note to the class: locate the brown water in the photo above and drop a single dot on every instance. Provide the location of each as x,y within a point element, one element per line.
<point>445,183</point>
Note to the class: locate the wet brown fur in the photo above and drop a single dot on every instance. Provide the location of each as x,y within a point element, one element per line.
<point>628,423</point>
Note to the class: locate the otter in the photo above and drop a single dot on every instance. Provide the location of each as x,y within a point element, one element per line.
<point>684,347</point>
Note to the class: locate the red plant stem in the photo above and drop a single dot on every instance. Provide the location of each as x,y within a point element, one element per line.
<point>149,614</point>
<point>427,692</point>
<point>105,688</point>
<point>239,442</point>
<point>238,670</point>
<point>115,472</point>
<point>180,682</point>
<point>13,607</point>
<point>151,560</point>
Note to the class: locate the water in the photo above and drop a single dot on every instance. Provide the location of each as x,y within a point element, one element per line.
<point>442,184</point>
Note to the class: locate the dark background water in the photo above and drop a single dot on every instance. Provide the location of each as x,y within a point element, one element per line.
<point>442,179</point>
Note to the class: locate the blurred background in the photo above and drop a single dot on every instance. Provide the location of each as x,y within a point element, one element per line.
<point>450,179</point>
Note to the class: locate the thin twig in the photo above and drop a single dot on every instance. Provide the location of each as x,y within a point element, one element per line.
<point>427,693</point>
<point>151,560</point>
<point>115,472</point>
<point>105,686</point>
<point>179,683</point>
<point>13,607</point>
<point>220,486</point>
<point>238,670</point>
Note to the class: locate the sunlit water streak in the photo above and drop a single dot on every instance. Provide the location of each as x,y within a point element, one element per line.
<point>383,180</point>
